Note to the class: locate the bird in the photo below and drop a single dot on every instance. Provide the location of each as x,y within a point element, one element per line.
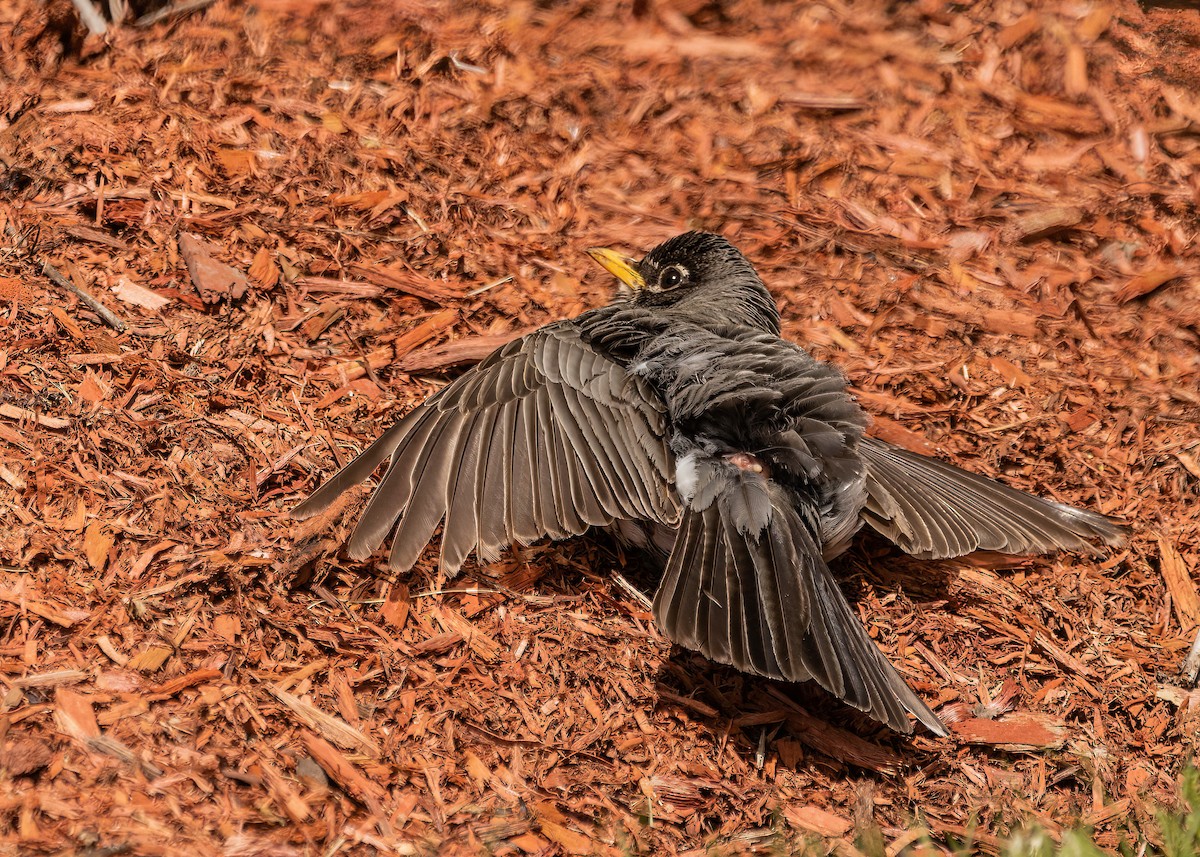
<point>677,417</point>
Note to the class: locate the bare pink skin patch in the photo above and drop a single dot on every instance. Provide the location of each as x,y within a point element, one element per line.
<point>752,463</point>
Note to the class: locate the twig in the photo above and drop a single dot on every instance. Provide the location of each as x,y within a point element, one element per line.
<point>110,318</point>
<point>182,7</point>
<point>91,17</point>
<point>1191,664</point>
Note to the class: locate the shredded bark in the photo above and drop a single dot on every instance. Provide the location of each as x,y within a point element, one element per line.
<point>241,239</point>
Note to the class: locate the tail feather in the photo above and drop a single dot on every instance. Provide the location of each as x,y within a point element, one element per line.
<point>766,603</point>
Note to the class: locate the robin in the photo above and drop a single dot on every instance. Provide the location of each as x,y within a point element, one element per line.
<point>677,417</point>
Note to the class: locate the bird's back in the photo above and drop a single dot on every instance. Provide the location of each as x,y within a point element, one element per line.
<point>738,394</point>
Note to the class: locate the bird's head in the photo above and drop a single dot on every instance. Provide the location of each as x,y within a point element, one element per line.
<point>697,275</point>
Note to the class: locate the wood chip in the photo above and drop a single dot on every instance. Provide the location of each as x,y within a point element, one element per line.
<point>1147,281</point>
<point>74,715</point>
<point>440,322</point>
<point>408,282</point>
<point>332,728</point>
<point>342,771</point>
<point>984,215</point>
<point>837,743</point>
<point>479,642</point>
<point>457,352</point>
<point>1178,577</point>
<point>95,236</point>
<point>1046,221</point>
<point>57,614</point>
<point>214,281</point>
<point>25,415</point>
<point>813,819</point>
<point>132,293</point>
<point>1020,731</point>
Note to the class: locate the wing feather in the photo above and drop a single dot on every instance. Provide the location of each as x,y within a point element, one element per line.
<point>490,531</point>
<point>932,509</point>
<point>546,437</point>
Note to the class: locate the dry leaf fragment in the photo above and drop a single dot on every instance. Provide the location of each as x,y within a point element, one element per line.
<point>214,281</point>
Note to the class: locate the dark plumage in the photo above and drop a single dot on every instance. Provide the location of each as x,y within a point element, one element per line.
<point>679,419</point>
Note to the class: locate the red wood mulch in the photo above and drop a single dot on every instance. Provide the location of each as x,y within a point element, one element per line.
<point>986,213</point>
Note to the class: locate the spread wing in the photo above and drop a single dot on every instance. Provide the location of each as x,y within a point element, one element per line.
<point>932,509</point>
<point>546,437</point>
<point>746,585</point>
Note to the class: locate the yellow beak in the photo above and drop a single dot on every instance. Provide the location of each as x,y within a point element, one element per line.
<point>621,267</point>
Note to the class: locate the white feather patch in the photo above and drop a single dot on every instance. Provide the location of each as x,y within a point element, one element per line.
<point>695,364</point>
<point>686,476</point>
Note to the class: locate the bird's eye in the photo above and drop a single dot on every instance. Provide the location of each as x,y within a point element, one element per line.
<point>672,277</point>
